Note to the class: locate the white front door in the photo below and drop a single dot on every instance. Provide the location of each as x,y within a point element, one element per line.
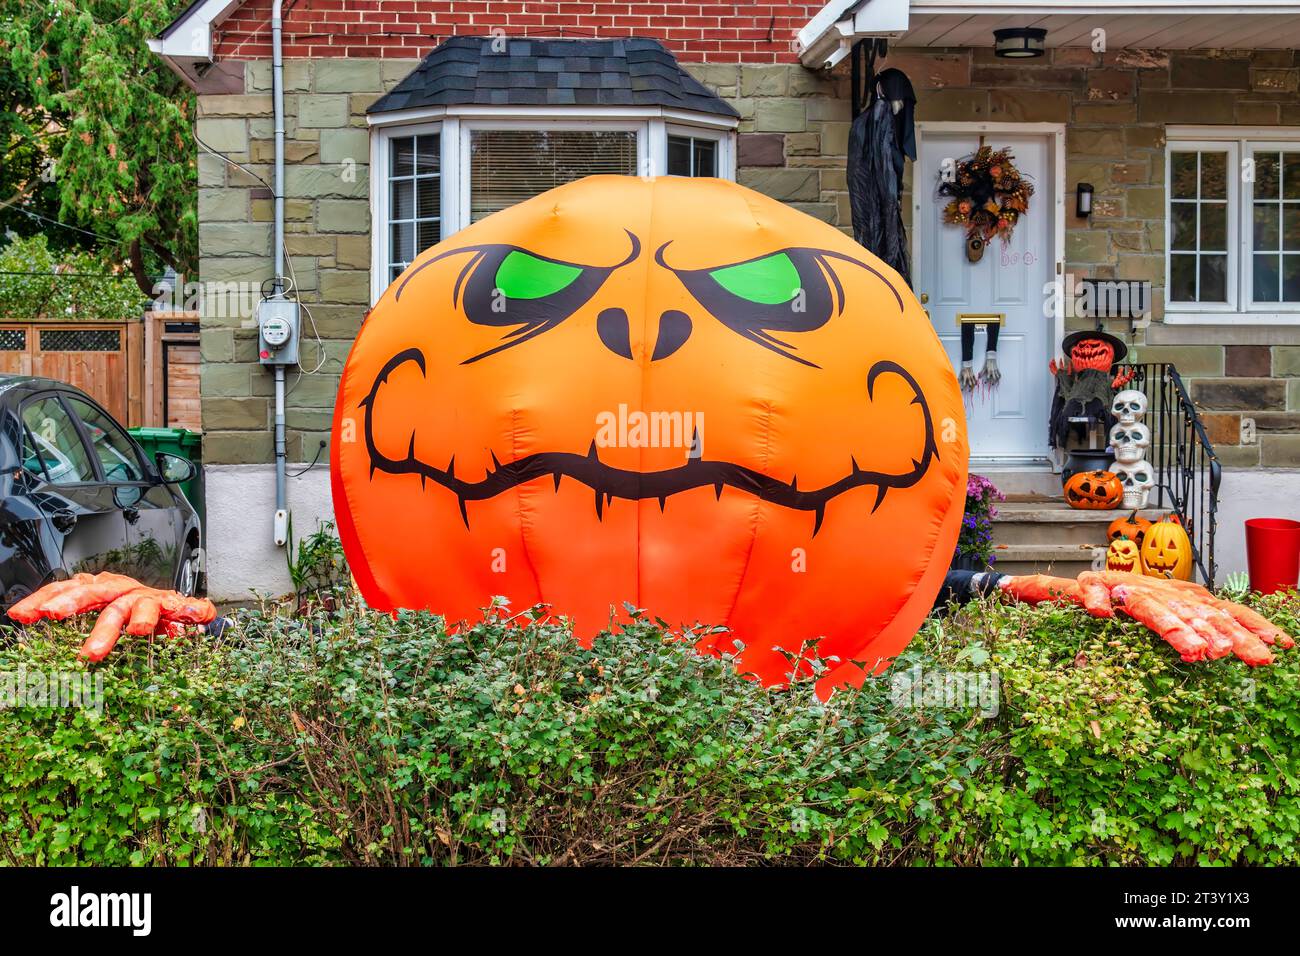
<point>1009,423</point>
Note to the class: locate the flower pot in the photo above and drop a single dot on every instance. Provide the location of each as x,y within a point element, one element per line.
<point>1273,553</point>
<point>1085,459</point>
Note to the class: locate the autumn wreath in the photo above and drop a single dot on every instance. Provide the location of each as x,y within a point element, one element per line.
<point>987,194</point>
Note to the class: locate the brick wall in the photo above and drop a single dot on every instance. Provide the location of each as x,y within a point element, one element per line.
<point>717,32</point>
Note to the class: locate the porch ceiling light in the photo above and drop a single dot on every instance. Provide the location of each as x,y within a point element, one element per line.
<point>1019,42</point>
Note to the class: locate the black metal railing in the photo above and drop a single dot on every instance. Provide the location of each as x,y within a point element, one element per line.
<point>1186,470</point>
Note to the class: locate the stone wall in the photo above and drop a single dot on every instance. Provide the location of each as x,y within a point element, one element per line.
<point>792,144</point>
<point>327,234</point>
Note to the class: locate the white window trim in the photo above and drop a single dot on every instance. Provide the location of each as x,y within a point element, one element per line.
<point>380,154</point>
<point>1233,215</point>
<point>725,152</point>
<point>1240,142</point>
<point>651,124</point>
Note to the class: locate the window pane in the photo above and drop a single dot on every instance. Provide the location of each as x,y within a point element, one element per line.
<point>1214,279</point>
<point>679,156</point>
<point>1266,175</point>
<point>57,443</point>
<point>402,152</point>
<point>1184,223</point>
<point>706,157</point>
<point>429,203</point>
<point>1291,278</point>
<point>1182,278</point>
<point>510,165</point>
<point>402,238</point>
<point>1265,225</point>
<point>427,159</point>
<point>1214,175</point>
<point>1214,226</point>
<point>1291,227</point>
<point>1291,176</point>
<point>426,235</point>
<point>403,200</point>
<point>1183,175</point>
<point>116,455</point>
<point>1266,278</point>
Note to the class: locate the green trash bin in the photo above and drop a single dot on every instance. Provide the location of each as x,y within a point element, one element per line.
<point>182,442</point>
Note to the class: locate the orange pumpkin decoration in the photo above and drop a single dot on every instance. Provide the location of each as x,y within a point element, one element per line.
<point>1124,555</point>
<point>1167,550</point>
<point>1094,490</point>
<point>1134,527</point>
<point>672,392</point>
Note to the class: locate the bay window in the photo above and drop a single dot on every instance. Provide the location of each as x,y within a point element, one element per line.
<point>437,174</point>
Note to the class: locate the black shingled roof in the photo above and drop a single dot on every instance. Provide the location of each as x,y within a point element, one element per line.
<point>532,72</point>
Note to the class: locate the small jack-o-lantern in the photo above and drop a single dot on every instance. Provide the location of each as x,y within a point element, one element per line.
<point>1124,555</point>
<point>1166,550</point>
<point>668,393</point>
<point>1134,527</point>
<point>1094,490</point>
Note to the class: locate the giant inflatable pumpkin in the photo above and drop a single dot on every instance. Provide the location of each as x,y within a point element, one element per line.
<point>675,393</point>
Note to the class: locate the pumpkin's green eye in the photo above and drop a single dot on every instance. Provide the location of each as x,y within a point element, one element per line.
<point>524,276</point>
<point>767,281</point>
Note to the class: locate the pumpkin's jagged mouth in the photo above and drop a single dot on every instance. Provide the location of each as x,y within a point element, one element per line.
<point>608,482</point>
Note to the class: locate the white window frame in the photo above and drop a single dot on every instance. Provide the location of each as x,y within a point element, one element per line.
<point>380,157</point>
<point>455,124</point>
<point>1248,232</point>
<point>725,160</point>
<point>1240,143</point>
<point>1233,216</point>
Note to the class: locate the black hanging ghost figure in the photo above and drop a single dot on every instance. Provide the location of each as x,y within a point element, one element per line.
<point>881,139</point>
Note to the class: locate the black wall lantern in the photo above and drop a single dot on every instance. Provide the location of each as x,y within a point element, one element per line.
<point>1083,200</point>
<point>1019,42</point>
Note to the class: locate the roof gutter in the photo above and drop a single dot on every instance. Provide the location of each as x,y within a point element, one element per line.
<point>829,36</point>
<point>186,44</point>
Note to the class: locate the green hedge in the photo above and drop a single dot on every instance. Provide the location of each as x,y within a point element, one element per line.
<point>352,737</point>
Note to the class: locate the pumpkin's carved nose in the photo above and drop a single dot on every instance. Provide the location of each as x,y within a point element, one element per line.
<point>674,330</point>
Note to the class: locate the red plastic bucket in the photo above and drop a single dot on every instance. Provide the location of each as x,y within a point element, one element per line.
<point>1273,553</point>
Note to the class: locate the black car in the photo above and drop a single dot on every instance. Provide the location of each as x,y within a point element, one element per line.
<point>77,493</point>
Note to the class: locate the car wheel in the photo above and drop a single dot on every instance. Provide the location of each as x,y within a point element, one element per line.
<point>187,578</point>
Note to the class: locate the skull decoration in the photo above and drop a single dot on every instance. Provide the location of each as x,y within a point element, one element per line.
<point>1129,406</point>
<point>1137,480</point>
<point>1130,442</point>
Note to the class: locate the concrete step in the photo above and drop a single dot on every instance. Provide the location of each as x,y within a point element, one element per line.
<point>1062,560</point>
<point>1025,520</point>
<point>1040,481</point>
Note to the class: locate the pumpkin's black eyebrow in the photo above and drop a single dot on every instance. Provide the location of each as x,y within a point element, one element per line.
<point>481,248</point>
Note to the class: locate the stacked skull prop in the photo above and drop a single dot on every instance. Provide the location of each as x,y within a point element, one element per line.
<point>1130,439</point>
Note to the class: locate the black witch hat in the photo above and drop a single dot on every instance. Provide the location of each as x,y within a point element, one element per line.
<point>1116,343</point>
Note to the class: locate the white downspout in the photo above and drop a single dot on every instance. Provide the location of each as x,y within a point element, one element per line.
<point>277,96</point>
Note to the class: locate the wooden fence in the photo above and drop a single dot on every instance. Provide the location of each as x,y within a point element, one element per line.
<point>145,371</point>
<point>104,359</point>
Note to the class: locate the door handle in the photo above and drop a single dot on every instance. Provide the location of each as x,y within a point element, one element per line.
<point>64,520</point>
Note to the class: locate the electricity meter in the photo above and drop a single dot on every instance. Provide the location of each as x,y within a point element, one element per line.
<point>277,327</point>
